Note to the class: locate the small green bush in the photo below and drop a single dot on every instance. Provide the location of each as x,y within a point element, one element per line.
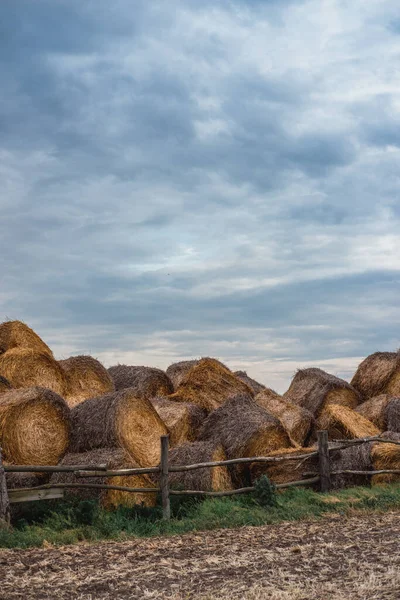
<point>265,492</point>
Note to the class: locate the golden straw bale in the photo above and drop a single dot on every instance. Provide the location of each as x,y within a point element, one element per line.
<point>386,456</point>
<point>314,389</point>
<point>28,368</point>
<point>286,471</point>
<point>375,410</point>
<point>216,479</point>
<point>34,426</point>
<point>86,378</point>
<point>393,415</point>
<point>178,371</point>
<point>378,374</point>
<point>122,420</point>
<point>209,384</point>
<point>343,422</point>
<point>25,480</point>
<point>115,459</point>
<point>355,458</point>
<point>255,386</point>
<point>5,385</point>
<point>146,381</point>
<point>15,334</point>
<point>182,419</point>
<point>296,420</point>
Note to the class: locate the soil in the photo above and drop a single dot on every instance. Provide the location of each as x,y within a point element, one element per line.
<point>355,557</point>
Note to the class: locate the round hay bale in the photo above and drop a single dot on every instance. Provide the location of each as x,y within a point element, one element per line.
<point>378,374</point>
<point>146,381</point>
<point>209,384</point>
<point>15,334</point>
<point>5,385</point>
<point>25,480</point>
<point>86,378</point>
<point>286,471</point>
<point>296,420</point>
<point>215,479</point>
<point>178,371</point>
<point>28,368</point>
<point>121,420</point>
<point>375,410</point>
<point>314,389</point>
<point>34,426</point>
<point>384,457</point>
<point>355,458</point>
<point>343,422</point>
<point>115,459</point>
<point>182,419</point>
<point>393,415</point>
<point>255,386</point>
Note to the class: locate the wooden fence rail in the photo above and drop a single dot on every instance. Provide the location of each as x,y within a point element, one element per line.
<point>47,491</point>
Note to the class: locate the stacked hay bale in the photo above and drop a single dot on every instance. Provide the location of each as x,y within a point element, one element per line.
<point>178,371</point>
<point>34,426</point>
<point>115,459</point>
<point>378,374</point>
<point>118,420</point>
<point>5,385</point>
<point>354,458</point>
<point>375,409</point>
<point>288,470</point>
<point>209,384</point>
<point>296,420</point>
<point>343,422</point>
<point>16,334</point>
<point>252,383</point>
<point>24,368</point>
<point>244,429</point>
<point>86,378</point>
<point>146,381</point>
<point>182,419</point>
<point>216,479</point>
<point>386,457</point>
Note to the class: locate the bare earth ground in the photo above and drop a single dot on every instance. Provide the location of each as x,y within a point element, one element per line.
<point>353,558</point>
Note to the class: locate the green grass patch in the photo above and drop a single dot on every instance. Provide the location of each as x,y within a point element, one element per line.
<point>69,521</point>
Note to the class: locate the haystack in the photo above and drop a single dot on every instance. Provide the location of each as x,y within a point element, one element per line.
<point>378,374</point>
<point>178,371</point>
<point>314,389</point>
<point>121,420</point>
<point>286,471</point>
<point>215,479</point>
<point>393,415</point>
<point>355,458</point>
<point>255,386</point>
<point>28,368</point>
<point>16,481</point>
<point>296,420</point>
<point>15,334</point>
<point>34,426</point>
<point>115,459</point>
<point>5,385</point>
<point>209,384</point>
<point>343,422</point>
<point>375,410</point>
<point>386,456</point>
<point>182,419</point>
<point>86,378</point>
<point>146,381</point>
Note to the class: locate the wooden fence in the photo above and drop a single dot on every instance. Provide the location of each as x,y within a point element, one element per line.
<point>50,491</point>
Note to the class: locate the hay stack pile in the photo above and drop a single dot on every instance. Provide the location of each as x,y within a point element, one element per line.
<point>118,420</point>
<point>216,479</point>
<point>34,426</point>
<point>86,378</point>
<point>5,385</point>
<point>386,456</point>
<point>343,422</point>
<point>147,382</point>
<point>115,459</point>
<point>178,371</point>
<point>252,383</point>
<point>25,368</point>
<point>209,384</point>
<point>285,471</point>
<point>378,374</point>
<point>182,419</point>
<point>16,334</point>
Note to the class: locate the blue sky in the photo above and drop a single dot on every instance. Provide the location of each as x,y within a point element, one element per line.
<point>185,178</point>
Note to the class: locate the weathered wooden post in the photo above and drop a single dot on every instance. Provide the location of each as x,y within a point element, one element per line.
<point>164,483</point>
<point>4,500</point>
<point>324,461</point>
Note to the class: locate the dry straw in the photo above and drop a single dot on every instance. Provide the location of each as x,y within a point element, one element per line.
<point>115,459</point>
<point>28,368</point>
<point>146,381</point>
<point>296,420</point>
<point>314,389</point>
<point>178,371</point>
<point>15,334</point>
<point>182,419</point>
<point>355,458</point>
<point>386,456</point>
<point>215,479</point>
<point>393,415</point>
<point>286,471</point>
<point>375,410</point>
<point>86,378</point>
<point>121,420</point>
<point>34,426</point>
<point>209,384</point>
<point>5,385</point>
<point>255,386</point>
<point>343,422</point>
<point>378,374</point>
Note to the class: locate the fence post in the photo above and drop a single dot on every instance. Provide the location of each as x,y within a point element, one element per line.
<point>4,500</point>
<point>164,483</point>
<point>324,461</point>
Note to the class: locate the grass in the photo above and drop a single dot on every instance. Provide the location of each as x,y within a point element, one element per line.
<point>58,523</point>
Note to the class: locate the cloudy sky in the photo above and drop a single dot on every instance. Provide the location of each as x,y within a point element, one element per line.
<point>187,178</point>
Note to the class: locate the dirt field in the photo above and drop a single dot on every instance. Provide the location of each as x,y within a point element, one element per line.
<point>354,558</point>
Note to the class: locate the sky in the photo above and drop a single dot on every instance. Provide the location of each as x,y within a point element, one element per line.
<point>218,178</point>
